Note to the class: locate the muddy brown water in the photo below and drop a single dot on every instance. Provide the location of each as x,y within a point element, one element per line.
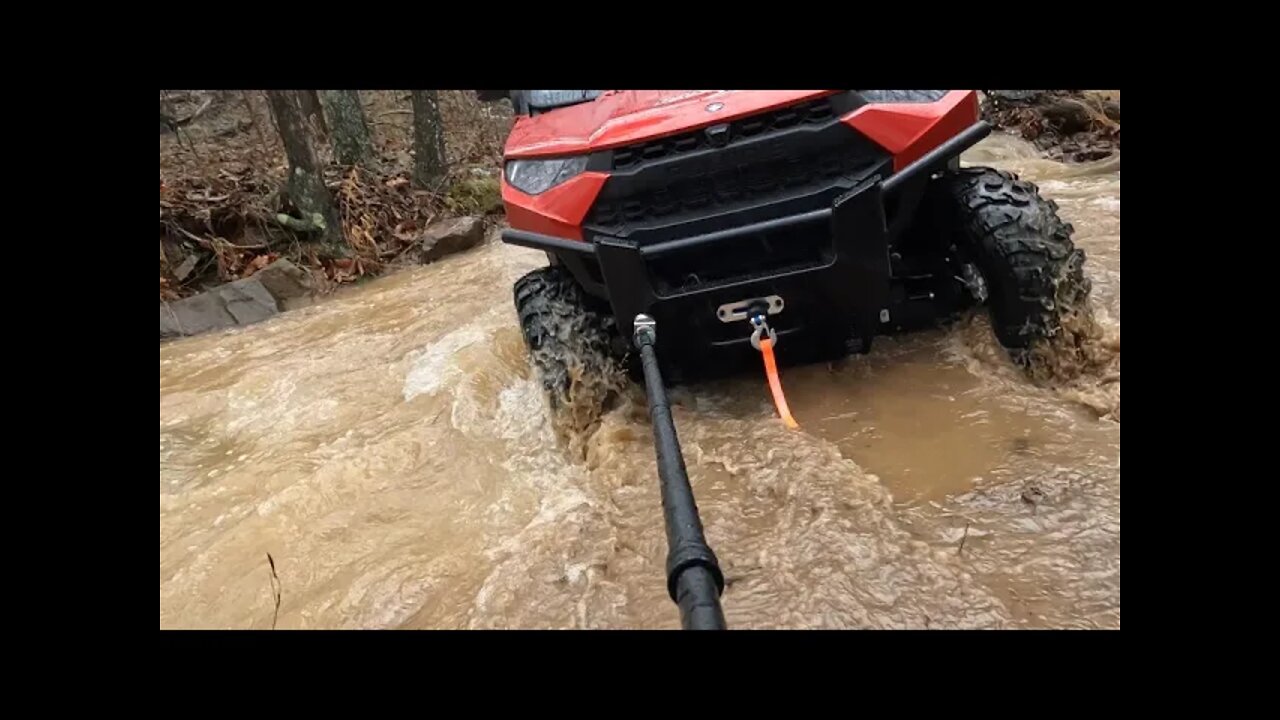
<point>389,449</point>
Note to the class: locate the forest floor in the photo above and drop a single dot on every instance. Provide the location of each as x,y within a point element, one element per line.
<point>221,174</point>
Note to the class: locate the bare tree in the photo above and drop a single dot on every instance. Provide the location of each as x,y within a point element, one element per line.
<point>306,186</point>
<point>428,139</point>
<point>350,130</point>
<point>312,110</point>
<point>170,121</point>
<point>253,118</point>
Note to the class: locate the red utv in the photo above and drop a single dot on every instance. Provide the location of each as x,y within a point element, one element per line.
<point>822,217</point>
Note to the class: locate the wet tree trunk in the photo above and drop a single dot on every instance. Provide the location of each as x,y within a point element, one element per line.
<point>312,110</point>
<point>349,129</point>
<point>428,139</point>
<point>306,176</point>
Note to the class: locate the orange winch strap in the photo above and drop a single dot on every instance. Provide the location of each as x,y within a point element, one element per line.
<point>775,385</point>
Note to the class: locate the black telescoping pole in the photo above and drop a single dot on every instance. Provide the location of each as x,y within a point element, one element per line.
<point>694,580</point>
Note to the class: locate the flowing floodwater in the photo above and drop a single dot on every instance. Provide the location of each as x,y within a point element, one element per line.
<point>390,450</point>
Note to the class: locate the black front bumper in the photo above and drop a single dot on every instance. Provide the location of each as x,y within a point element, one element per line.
<point>832,291</point>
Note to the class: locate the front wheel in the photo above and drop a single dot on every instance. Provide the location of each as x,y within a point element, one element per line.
<point>569,343</point>
<point>1033,272</point>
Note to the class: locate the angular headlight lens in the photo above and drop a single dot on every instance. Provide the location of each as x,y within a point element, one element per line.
<point>537,176</point>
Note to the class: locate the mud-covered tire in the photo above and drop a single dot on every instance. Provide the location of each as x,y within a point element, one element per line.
<point>1033,271</point>
<point>568,340</point>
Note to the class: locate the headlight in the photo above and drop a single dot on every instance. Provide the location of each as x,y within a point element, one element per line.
<point>538,176</point>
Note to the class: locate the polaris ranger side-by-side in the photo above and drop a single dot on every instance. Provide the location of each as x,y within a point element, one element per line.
<point>826,216</point>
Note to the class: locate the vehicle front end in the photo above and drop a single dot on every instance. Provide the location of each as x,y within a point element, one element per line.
<point>695,210</point>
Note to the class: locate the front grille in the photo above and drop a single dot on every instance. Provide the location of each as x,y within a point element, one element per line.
<point>732,186</point>
<point>781,162</point>
<point>811,112</point>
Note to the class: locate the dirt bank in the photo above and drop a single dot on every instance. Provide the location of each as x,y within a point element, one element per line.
<point>1067,125</point>
<point>222,166</point>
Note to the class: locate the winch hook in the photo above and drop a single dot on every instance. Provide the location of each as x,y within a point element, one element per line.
<point>764,338</point>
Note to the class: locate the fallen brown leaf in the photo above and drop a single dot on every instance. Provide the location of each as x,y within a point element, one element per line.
<point>258,263</point>
<point>406,230</point>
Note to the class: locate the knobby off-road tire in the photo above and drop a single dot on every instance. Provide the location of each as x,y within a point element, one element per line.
<point>1033,271</point>
<point>569,341</point>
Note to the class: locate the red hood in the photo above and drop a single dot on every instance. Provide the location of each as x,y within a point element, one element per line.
<point>622,117</point>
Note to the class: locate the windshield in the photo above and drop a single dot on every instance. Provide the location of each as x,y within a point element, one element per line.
<point>547,99</point>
